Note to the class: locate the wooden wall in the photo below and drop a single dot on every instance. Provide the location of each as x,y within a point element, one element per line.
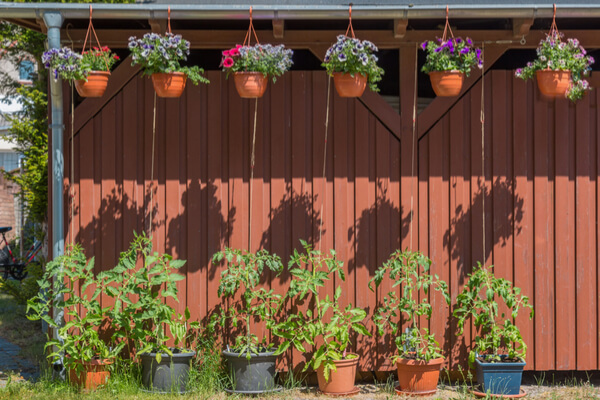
<point>541,194</point>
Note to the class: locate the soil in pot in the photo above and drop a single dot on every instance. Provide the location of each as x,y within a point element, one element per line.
<point>95,86</point>
<point>418,377</point>
<point>341,380</point>
<point>170,375</point>
<point>250,85</point>
<point>553,83</point>
<point>169,85</point>
<point>251,376</point>
<point>501,378</point>
<point>446,83</point>
<point>94,373</point>
<point>348,85</point>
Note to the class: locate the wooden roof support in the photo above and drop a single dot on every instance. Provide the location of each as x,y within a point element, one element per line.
<point>278,28</point>
<point>157,25</point>
<point>521,26</point>
<point>400,28</point>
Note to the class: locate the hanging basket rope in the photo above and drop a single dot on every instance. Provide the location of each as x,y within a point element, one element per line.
<point>553,28</point>
<point>91,29</point>
<point>250,32</point>
<point>447,28</point>
<point>350,28</point>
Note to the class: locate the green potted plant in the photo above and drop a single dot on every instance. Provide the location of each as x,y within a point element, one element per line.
<point>252,66</point>
<point>159,56</point>
<point>352,64</point>
<point>448,62</point>
<point>560,67</point>
<point>499,350</point>
<point>419,357</point>
<point>326,325</point>
<point>251,360</point>
<point>78,345</point>
<point>89,70</point>
<point>141,313</point>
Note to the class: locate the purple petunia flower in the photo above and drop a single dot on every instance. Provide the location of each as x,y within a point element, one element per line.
<point>424,45</point>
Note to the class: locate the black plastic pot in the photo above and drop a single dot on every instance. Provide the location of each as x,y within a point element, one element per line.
<point>499,377</point>
<point>251,376</point>
<point>170,375</point>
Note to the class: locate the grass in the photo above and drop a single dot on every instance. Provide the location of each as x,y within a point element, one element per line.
<point>17,329</point>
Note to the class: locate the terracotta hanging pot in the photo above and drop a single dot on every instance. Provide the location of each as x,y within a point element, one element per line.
<point>341,381</point>
<point>95,373</point>
<point>553,83</point>
<point>250,85</point>
<point>418,377</point>
<point>169,85</point>
<point>348,85</point>
<point>446,83</point>
<point>95,84</point>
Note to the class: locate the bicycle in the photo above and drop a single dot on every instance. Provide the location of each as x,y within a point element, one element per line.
<point>9,264</point>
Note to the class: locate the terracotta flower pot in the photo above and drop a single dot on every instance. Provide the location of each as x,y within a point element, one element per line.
<point>95,84</point>
<point>553,83</point>
<point>418,377</point>
<point>95,373</point>
<point>169,85</point>
<point>348,85</point>
<point>341,380</point>
<point>250,85</point>
<point>446,83</point>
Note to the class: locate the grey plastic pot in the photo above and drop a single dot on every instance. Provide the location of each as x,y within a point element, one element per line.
<point>168,376</point>
<point>251,376</point>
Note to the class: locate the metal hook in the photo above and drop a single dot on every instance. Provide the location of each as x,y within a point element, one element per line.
<point>523,41</point>
<point>250,12</point>
<point>90,12</point>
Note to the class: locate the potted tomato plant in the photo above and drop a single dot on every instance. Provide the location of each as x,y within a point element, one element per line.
<point>252,66</point>
<point>159,56</point>
<point>250,358</point>
<point>419,357</point>
<point>353,65</point>
<point>89,71</point>
<point>499,349</point>
<point>69,283</point>
<point>560,68</point>
<point>142,319</point>
<point>326,325</point>
<point>448,62</point>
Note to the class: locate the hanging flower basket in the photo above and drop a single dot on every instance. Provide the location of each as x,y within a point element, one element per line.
<point>449,60</point>
<point>169,85</point>
<point>560,67</point>
<point>348,85</point>
<point>250,85</point>
<point>553,83</point>
<point>94,86</point>
<point>446,83</point>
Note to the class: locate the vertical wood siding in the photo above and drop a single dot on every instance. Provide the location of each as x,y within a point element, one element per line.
<point>540,189</point>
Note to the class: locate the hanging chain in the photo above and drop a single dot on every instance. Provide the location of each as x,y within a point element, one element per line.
<point>151,212</point>
<point>251,31</point>
<point>169,20</point>
<point>71,182</point>
<point>87,34</point>
<point>447,28</point>
<point>482,120</point>
<point>252,162</point>
<point>324,186</point>
<point>350,28</point>
<point>414,145</point>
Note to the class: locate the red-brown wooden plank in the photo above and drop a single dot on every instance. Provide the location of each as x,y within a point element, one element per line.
<point>585,246</point>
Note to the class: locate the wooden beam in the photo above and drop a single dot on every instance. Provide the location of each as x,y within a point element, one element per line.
<point>42,25</point>
<point>441,105</point>
<point>218,39</point>
<point>157,26</point>
<point>25,23</point>
<point>400,28</point>
<point>521,27</point>
<point>92,105</point>
<point>278,28</point>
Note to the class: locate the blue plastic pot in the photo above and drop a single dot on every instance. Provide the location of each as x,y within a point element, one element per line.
<point>500,377</point>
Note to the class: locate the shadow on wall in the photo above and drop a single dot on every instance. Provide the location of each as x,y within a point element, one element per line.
<point>503,224</point>
<point>118,208</point>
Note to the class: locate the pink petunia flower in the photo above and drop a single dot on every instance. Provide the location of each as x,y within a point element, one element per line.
<point>234,52</point>
<point>226,52</point>
<point>228,62</point>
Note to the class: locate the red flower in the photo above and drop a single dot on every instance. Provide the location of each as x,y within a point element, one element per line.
<point>116,57</point>
<point>226,52</point>
<point>228,62</point>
